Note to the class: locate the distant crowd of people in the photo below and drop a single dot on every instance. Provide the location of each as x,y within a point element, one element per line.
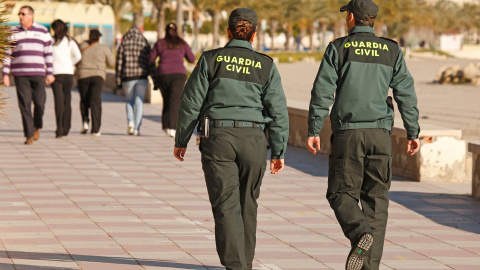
<point>38,59</point>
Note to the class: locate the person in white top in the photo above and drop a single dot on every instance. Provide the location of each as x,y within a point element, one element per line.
<point>65,55</point>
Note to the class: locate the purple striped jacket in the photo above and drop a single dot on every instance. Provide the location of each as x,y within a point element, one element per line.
<point>32,52</point>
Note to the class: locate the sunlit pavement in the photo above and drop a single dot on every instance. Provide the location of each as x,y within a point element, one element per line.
<point>123,202</point>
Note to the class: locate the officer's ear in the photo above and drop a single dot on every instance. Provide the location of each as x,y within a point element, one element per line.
<point>253,37</point>
<point>229,34</point>
<point>350,20</point>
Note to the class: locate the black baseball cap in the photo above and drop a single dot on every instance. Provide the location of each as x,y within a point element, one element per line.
<point>242,14</point>
<point>361,8</point>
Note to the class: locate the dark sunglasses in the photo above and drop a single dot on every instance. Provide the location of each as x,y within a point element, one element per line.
<point>23,14</point>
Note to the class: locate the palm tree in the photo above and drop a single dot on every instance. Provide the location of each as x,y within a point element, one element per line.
<point>214,9</point>
<point>179,17</point>
<point>160,5</point>
<point>5,45</point>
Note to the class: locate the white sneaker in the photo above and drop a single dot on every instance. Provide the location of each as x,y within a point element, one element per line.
<point>85,128</point>
<point>96,134</point>
<point>165,130</point>
<point>171,132</point>
<point>130,128</point>
<point>136,133</point>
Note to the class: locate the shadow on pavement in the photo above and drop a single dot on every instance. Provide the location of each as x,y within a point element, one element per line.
<point>94,259</point>
<point>155,118</point>
<point>304,161</point>
<point>108,97</point>
<point>456,211</point>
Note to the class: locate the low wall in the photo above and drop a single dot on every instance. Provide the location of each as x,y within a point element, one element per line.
<point>442,156</point>
<point>475,149</point>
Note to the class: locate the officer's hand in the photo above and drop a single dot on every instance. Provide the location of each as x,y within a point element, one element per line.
<point>6,80</point>
<point>276,165</point>
<point>179,153</point>
<point>311,141</point>
<point>413,146</point>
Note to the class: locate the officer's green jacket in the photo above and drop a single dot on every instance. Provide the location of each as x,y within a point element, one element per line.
<point>359,69</point>
<point>235,83</point>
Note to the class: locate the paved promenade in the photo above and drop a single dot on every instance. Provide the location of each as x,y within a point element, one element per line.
<point>122,202</point>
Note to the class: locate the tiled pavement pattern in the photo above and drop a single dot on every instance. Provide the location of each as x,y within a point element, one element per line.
<point>123,202</point>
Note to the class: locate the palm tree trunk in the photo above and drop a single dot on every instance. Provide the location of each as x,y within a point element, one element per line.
<point>259,38</point>
<point>196,31</point>
<point>273,30</point>
<point>215,25</point>
<point>324,35</point>
<point>310,37</point>
<point>160,6</point>
<point>288,35</point>
<point>179,18</point>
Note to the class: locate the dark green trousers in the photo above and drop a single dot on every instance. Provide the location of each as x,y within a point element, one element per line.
<point>234,162</point>
<point>360,170</point>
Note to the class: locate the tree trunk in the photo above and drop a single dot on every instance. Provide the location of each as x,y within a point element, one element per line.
<point>215,26</point>
<point>196,31</point>
<point>179,18</point>
<point>288,35</point>
<point>259,37</point>
<point>273,30</point>
<point>138,19</point>
<point>310,36</point>
<point>160,5</point>
<point>324,35</point>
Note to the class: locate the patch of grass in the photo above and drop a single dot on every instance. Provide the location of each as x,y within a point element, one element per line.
<point>291,57</point>
<point>288,57</point>
<point>437,52</point>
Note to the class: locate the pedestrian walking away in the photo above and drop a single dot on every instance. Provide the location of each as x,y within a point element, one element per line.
<point>171,75</point>
<point>91,77</point>
<point>132,69</point>
<point>236,93</point>
<point>66,54</point>
<point>355,75</point>
<point>31,65</point>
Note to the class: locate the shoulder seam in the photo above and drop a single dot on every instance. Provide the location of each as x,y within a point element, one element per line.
<point>266,56</point>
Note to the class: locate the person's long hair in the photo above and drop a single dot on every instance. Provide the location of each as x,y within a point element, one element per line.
<point>60,31</point>
<point>172,38</point>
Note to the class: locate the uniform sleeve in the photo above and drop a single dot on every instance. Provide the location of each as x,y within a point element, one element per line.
<point>48,53</point>
<point>193,97</point>
<point>75,51</point>
<point>404,94</point>
<point>189,54</point>
<point>323,91</point>
<point>118,66</point>
<point>275,103</point>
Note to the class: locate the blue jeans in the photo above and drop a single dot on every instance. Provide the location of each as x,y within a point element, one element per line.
<point>134,95</point>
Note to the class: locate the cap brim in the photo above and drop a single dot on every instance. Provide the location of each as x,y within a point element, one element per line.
<point>344,8</point>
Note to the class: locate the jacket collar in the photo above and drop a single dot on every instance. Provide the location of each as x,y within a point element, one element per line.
<point>239,43</point>
<point>132,32</point>
<point>361,29</point>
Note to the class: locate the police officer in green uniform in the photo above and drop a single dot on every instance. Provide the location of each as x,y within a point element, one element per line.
<point>241,93</point>
<point>355,75</point>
